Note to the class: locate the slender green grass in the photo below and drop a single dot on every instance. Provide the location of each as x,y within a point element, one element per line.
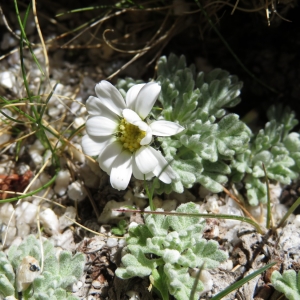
<point>23,34</point>
<point>29,112</point>
<point>289,212</point>
<point>241,282</point>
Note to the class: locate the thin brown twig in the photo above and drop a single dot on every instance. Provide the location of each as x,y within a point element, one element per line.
<point>239,204</point>
<point>38,28</point>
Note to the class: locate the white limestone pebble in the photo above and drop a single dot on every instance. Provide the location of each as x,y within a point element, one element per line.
<point>62,181</point>
<point>64,220</point>
<point>96,284</point>
<point>23,230</point>
<point>4,138</point>
<point>112,242</point>
<point>35,151</point>
<point>76,191</point>
<point>7,79</point>
<point>212,204</point>
<point>78,122</point>
<point>76,153</point>
<point>49,221</point>
<point>207,280</point>
<point>64,240</point>
<point>109,213</point>
<point>8,234</point>
<point>133,295</point>
<point>122,243</point>
<point>26,213</point>
<point>7,213</point>
<point>296,221</point>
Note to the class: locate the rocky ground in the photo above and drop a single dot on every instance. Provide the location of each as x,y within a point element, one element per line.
<point>76,62</point>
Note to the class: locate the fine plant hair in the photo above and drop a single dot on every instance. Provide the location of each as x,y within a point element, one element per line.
<point>165,247</point>
<point>60,270</point>
<point>216,147</point>
<point>288,283</point>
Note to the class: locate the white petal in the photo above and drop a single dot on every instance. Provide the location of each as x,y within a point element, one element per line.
<point>142,125</point>
<point>132,95</point>
<point>109,155</point>
<point>95,107</point>
<point>145,160</point>
<point>148,138</point>
<point>138,174</point>
<point>165,128</point>
<point>163,170</point>
<point>100,126</point>
<point>93,146</point>
<point>146,99</point>
<point>110,97</point>
<point>121,171</point>
<point>131,116</point>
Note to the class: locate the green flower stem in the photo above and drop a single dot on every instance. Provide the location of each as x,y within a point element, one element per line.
<point>150,195</point>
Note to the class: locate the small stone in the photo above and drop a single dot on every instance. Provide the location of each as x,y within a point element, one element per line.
<point>212,204</point>
<point>64,222</point>
<point>8,41</point>
<point>8,234</point>
<point>64,240</point>
<point>96,284</point>
<point>6,211</point>
<point>26,213</point>
<point>169,205</point>
<point>7,79</point>
<point>112,242</point>
<point>122,243</point>
<point>206,278</point>
<point>297,221</point>
<point>76,191</point>
<point>110,214</point>
<point>50,221</point>
<point>78,122</point>
<point>4,138</point>
<point>23,230</point>
<point>61,182</point>
<point>133,295</point>
<point>226,265</point>
<point>76,153</point>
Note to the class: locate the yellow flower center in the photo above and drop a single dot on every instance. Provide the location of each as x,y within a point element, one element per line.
<point>130,135</point>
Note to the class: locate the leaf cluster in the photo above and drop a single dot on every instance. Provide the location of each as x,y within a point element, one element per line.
<point>275,147</point>
<point>288,283</point>
<point>7,277</point>
<point>60,270</point>
<point>216,146</point>
<point>212,137</point>
<point>165,247</point>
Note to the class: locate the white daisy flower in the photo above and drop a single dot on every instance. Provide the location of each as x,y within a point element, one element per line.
<point>118,134</point>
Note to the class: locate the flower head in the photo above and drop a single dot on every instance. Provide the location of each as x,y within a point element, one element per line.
<point>118,134</point>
